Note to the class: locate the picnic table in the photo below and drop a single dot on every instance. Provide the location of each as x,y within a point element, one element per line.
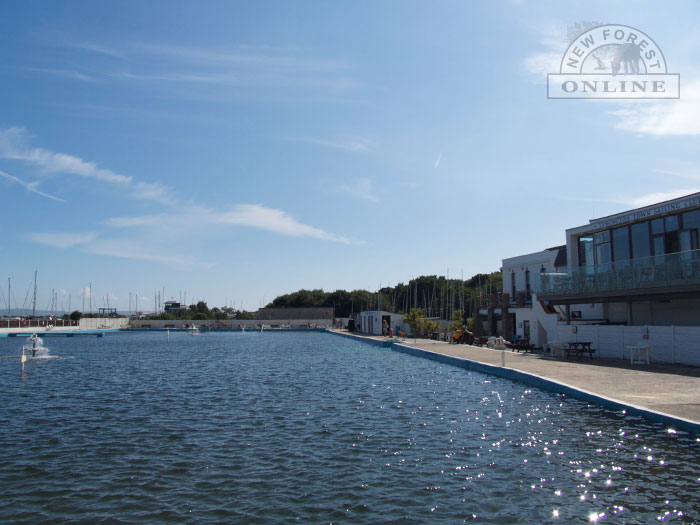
<point>522,344</point>
<point>579,348</point>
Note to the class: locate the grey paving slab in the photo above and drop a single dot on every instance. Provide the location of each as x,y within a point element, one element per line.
<point>669,389</point>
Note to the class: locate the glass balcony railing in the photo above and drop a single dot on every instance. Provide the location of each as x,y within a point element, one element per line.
<point>661,271</point>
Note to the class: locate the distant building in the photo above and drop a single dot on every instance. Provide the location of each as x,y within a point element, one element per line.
<point>173,307</point>
<point>372,322</point>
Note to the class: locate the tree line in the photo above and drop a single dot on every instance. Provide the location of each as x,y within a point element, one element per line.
<point>196,312</point>
<point>437,297</point>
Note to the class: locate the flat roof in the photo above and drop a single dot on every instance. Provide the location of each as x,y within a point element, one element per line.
<point>637,214</point>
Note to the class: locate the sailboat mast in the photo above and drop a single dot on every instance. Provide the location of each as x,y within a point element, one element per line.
<point>34,300</point>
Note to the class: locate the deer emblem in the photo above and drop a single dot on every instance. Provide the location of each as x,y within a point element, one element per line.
<point>627,55</point>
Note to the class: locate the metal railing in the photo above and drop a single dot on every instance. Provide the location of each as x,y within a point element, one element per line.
<point>661,271</point>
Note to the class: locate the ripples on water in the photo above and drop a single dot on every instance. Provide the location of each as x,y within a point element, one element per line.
<point>315,428</point>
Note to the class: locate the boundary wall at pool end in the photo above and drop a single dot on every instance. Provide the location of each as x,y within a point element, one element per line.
<point>535,381</point>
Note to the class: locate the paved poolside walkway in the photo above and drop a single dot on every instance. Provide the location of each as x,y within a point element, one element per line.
<point>669,389</point>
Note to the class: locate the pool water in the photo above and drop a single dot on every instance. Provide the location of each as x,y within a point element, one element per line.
<point>280,427</point>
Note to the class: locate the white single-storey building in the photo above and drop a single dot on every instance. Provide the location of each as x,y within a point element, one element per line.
<point>371,322</point>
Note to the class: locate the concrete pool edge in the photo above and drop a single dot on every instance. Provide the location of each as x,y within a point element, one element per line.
<point>534,380</point>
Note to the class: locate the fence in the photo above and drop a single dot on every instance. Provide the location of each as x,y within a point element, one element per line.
<point>669,344</point>
<point>36,323</point>
<point>659,271</point>
<point>231,324</point>
<point>103,323</point>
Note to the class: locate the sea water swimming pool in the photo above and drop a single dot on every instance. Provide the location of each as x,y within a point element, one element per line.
<point>308,427</point>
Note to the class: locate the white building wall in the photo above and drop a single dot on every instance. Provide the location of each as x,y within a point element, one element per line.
<point>669,344</point>
<point>371,322</point>
<point>99,323</point>
<point>515,270</point>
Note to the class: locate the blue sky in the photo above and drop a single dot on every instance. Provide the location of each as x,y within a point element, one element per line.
<point>240,150</point>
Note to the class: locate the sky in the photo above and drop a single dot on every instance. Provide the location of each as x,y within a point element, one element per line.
<point>236,151</point>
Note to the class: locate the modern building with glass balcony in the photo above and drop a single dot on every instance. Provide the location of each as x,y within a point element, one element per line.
<point>641,267</point>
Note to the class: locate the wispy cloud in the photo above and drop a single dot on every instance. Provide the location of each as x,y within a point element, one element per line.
<point>437,161</point>
<point>277,221</point>
<point>639,201</point>
<point>92,47</point>
<point>31,186</point>
<point>679,117</point>
<point>247,215</point>
<point>663,118</point>
<point>150,64</point>
<point>356,144</point>
<point>689,171</point>
<point>61,239</point>
<point>659,196</point>
<point>68,73</point>
<point>362,188</point>
<point>554,43</point>
<point>139,251</point>
<point>14,145</point>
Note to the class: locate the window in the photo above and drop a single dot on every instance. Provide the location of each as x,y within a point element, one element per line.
<point>602,237</point>
<point>602,254</point>
<point>691,220</point>
<point>658,244</point>
<point>621,244</point>
<point>689,234</point>
<point>585,251</point>
<point>671,223</point>
<point>640,240</point>
<point>528,290</point>
<point>672,241</point>
<point>512,285</point>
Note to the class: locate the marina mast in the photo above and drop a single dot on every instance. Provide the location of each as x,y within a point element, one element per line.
<point>34,300</point>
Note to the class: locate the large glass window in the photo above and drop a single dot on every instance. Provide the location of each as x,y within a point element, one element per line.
<point>602,253</point>
<point>691,220</point>
<point>671,223</point>
<point>585,251</point>
<point>621,243</point>
<point>673,243</point>
<point>657,226</point>
<point>658,245</point>
<point>640,240</point>
<point>689,240</point>
<point>689,235</point>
